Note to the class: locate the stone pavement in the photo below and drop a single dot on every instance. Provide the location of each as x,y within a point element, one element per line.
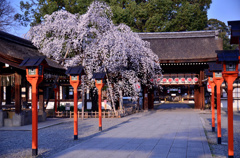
<point>172,131</point>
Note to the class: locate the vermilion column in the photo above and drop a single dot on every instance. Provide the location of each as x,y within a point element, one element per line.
<point>99,84</point>
<point>55,100</point>
<point>230,120</point>
<point>100,108</point>
<point>211,83</point>
<point>34,80</point>
<point>75,84</point>
<point>230,78</point>
<point>34,120</point>
<point>218,81</point>
<point>75,114</point>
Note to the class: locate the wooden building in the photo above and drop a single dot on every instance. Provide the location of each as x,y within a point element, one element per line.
<point>15,91</point>
<point>183,58</point>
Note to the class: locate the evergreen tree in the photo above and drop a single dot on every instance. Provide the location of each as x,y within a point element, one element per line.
<point>214,24</point>
<point>139,15</point>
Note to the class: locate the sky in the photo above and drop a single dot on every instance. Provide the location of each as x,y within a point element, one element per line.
<point>223,10</point>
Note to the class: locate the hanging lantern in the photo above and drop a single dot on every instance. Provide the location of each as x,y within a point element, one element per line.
<point>164,80</point>
<point>151,80</point>
<point>195,79</point>
<point>189,79</point>
<point>182,79</point>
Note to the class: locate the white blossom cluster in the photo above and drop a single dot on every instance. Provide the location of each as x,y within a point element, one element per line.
<point>92,40</point>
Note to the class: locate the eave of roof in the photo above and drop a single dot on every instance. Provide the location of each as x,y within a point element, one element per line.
<point>14,49</point>
<point>187,60</point>
<point>182,34</point>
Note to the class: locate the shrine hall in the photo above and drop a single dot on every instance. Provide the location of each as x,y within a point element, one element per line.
<point>183,58</point>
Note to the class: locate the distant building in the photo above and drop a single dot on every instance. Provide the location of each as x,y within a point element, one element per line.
<point>183,58</point>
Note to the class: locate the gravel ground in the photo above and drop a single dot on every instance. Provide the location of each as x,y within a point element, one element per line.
<point>221,150</point>
<point>56,138</point>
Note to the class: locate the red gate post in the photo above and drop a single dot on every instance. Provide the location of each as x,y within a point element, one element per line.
<point>230,78</point>
<point>99,83</point>
<point>99,87</point>
<point>230,60</point>
<point>34,73</point>
<point>56,93</point>
<point>218,80</point>
<point>75,80</point>
<point>212,84</point>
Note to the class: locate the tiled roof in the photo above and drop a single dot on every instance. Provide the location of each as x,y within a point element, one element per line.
<point>99,75</point>
<point>214,67</point>
<point>227,55</point>
<point>77,70</point>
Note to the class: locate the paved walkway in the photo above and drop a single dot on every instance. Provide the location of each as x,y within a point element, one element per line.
<point>164,133</point>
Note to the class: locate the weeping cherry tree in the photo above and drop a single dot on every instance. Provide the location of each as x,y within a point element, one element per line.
<point>92,40</point>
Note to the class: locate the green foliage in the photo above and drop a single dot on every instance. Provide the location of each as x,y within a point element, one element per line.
<point>161,15</point>
<point>214,24</point>
<point>140,15</point>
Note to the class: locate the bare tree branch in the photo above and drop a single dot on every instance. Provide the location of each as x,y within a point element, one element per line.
<point>6,15</point>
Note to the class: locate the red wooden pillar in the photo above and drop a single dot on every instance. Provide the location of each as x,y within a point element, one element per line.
<point>75,80</point>
<point>75,114</point>
<point>41,101</point>
<point>17,93</point>
<point>145,98</point>
<point>58,97</point>
<point>34,118</point>
<point>34,73</point>
<point>75,83</point>
<point>230,78</point>
<point>56,90</point>
<point>212,84</point>
<point>218,81</point>
<point>196,97</point>
<point>34,80</point>
<point>202,98</point>
<point>202,95</point>
<point>99,84</point>
<point>100,108</point>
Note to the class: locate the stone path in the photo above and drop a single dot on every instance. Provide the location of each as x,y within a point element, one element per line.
<point>164,133</point>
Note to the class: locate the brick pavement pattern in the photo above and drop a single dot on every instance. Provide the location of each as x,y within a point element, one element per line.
<point>172,131</point>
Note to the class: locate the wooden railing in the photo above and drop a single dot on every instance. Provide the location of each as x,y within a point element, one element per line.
<point>91,114</point>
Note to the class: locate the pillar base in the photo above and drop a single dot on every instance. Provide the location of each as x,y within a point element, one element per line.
<point>230,156</point>
<point>75,137</point>
<point>219,140</point>
<point>213,129</point>
<point>100,128</point>
<point>34,152</point>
